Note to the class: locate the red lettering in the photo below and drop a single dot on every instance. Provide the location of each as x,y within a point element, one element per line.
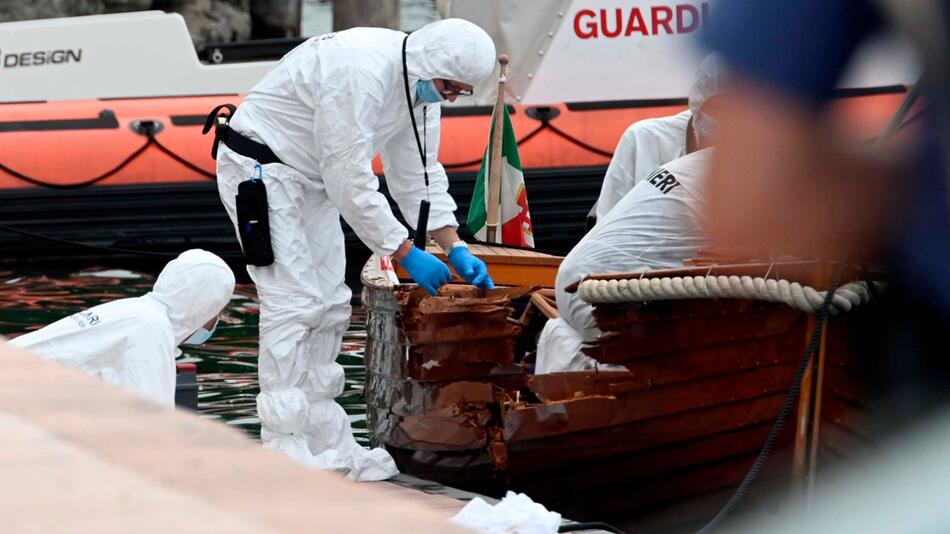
<point>687,18</point>
<point>603,23</point>
<point>681,11</point>
<point>590,25</point>
<point>635,23</point>
<point>663,21</point>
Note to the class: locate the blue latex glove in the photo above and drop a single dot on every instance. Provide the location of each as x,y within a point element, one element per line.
<point>427,270</point>
<point>470,268</point>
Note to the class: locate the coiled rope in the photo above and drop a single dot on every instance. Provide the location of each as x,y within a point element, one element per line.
<point>793,294</point>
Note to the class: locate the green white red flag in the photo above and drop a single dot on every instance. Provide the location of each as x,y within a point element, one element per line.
<point>514,217</point>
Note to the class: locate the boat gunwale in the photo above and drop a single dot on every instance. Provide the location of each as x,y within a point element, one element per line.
<point>802,271</point>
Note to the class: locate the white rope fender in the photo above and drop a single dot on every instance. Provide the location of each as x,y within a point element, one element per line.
<point>793,294</point>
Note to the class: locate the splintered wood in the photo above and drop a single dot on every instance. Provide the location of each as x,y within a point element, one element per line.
<point>446,373</point>
<point>462,333</point>
<point>437,363</point>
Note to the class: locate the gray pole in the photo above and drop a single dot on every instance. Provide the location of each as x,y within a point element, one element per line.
<point>275,18</point>
<point>216,22</point>
<point>378,13</point>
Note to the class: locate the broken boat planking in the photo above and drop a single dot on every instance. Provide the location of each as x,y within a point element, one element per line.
<point>450,394</point>
<point>509,266</point>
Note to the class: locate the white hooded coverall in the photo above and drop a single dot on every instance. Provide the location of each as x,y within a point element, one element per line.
<point>649,143</point>
<point>133,342</point>
<point>655,226</point>
<point>326,109</point>
<point>645,145</point>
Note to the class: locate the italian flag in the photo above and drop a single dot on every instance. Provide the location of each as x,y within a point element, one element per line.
<point>514,218</point>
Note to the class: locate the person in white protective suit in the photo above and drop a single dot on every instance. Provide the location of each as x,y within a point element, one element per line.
<point>655,226</point>
<point>328,107</point>
<point>133,342</point>
<point>649,143</point>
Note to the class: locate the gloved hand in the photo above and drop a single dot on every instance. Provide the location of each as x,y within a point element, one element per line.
<point>427,270</point>
<point>470,268</point>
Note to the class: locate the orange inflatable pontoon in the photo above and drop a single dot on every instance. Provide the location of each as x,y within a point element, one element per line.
<point>94,152</point>
<point>78,143</point>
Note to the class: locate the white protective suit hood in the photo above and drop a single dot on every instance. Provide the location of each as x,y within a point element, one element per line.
<point>711,79</point>
<point>194,287</point>
<point>451,49</point>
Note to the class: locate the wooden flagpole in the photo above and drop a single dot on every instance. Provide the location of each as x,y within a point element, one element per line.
<point>494,167</point>
<point>805,455</point>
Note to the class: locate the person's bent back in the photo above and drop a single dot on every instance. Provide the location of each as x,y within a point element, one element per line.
<point>655,226</point>
<point>133,342</point>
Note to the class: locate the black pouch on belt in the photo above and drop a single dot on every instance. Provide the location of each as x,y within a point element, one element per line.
<point>253,224</point>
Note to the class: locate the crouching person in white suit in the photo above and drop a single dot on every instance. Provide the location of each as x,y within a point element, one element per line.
<point>655,226</point>
<point>133,342</point>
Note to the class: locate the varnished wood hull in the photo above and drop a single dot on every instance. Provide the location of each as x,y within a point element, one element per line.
<point>707,379</point>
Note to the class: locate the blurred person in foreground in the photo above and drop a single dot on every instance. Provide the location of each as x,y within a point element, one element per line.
<point>782,180</point>
<point>133,342</point>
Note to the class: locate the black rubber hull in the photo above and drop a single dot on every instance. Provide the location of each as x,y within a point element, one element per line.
<point>169,218</point>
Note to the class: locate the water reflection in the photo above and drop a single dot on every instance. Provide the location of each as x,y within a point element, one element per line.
<point>227,364</point>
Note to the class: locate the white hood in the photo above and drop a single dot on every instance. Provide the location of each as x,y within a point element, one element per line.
<point>194,287</point>
<point>711,79</point>
<point>451,49</point>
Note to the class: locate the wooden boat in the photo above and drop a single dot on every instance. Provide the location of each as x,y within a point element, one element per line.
<point>451,395</point>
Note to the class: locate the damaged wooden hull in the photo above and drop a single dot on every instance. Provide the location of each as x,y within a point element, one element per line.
<point>450,396</point>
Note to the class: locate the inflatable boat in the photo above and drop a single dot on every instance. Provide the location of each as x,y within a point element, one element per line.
<point>101,151</point>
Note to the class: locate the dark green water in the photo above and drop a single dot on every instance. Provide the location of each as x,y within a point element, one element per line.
<point>227,364</point>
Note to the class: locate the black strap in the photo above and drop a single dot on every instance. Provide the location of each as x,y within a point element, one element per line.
<point>214,115</point>
<point>412,116</point>
<point>220,130</point>
<point>236,141</point>
<point>247,147</point>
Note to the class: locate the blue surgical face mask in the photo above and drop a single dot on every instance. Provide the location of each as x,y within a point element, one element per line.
<point>427,92</point>
<point>705,126</point>
<point>201,335</point>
